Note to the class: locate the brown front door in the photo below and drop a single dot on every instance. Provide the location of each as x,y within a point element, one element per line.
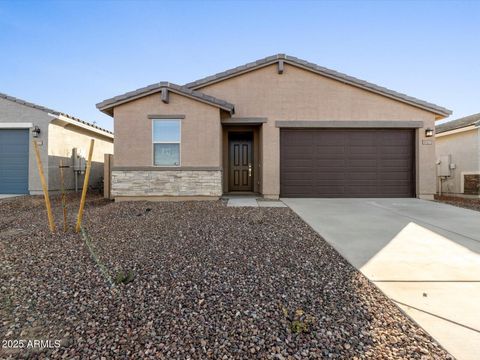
<point>240,162</point>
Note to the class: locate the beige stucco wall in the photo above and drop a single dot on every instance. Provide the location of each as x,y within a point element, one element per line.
<point>201,131</point>
<point>299,94</point>
<point>61,141</point>
<point>464,148</point>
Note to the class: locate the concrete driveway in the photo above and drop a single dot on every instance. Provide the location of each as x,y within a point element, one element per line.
<point>424,255</point>
<point>6,196</point>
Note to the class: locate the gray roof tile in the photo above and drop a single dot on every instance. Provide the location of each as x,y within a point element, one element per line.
<point>322,70</point>
<point>107,105</point>
<point>51,111</point>
<point>458,123</point>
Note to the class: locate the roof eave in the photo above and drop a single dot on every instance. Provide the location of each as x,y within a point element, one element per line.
<point>456,130</point>
<point>107,106</point>
<point>82,125</point>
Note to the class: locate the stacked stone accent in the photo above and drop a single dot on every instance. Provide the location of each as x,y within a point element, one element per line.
<point>166,183</point>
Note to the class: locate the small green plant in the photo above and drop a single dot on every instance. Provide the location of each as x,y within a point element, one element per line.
<point>298,326</point>
<point>299,322</point>
<point>124,278</point>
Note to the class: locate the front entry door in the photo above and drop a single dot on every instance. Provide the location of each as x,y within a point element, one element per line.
<point>241,165</point>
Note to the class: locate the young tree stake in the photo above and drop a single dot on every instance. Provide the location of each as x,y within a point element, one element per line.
<point>44,188</point>
<point>64,197</point>
<point>85,187</point>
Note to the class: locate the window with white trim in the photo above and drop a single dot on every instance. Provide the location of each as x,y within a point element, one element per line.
<point>166,142</point>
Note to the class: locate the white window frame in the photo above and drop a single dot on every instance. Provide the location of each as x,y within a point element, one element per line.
<point>179,142</point>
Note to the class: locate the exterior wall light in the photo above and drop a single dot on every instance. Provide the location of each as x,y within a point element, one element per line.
<point>35,131</point>
<point>428,132</point>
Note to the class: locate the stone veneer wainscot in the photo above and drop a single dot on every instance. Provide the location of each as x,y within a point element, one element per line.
<point>167,183</point>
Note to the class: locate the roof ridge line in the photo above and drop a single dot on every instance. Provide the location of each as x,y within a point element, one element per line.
<point>322,70</point>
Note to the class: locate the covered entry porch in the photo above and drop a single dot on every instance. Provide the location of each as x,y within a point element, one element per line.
<point>242,156</point>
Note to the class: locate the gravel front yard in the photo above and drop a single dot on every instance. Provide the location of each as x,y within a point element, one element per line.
<point>468,203</point>
<point>210,282</point>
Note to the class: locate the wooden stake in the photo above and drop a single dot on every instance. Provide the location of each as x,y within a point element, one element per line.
<point>85,187</point>
<point>44,187</point>
<point>64,198</point>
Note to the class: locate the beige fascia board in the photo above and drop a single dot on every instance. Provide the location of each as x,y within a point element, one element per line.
<point>245,121</point>
<point>19,125</point>
<point>348,124</point>
<point>456,131</point>
<point>166,168</point>
<point>81,125</point>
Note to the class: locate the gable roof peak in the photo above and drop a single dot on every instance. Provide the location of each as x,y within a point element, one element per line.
<point>107,105</point>
<point>347,79</point>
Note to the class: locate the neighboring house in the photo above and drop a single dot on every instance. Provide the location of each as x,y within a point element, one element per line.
<point>56,134</point>
<point>458,152</point>
<point>279,126</point>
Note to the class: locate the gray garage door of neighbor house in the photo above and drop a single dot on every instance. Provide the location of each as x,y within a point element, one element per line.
<point>347,163</point>
<point>14,161</point>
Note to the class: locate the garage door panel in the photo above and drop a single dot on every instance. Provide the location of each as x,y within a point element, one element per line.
<point>402,164</point>
<point>330,176</point>
<point>396,191</point>
<point>298,162</point>
<point>296,139</point>
<point>394,138</point>
<point>359,189</point>
<point>395,150</point>
<point>329,140</point>
<point>330,163</point>
<point>294,179</point>
<point>357,139</point>
<point>329,189</point>
<point>334,151</point>
<point>361,163</point>
<point>360,150</point>
<point>363,176</point>
<point>14,161</point>
<point>367,163</point>
<point>296,150</point>
<point>398,175</point>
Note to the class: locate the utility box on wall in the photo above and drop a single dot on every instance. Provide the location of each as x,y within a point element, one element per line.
<point>444,165</point>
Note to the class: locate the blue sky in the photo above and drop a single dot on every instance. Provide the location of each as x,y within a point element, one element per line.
<point>69,55</point>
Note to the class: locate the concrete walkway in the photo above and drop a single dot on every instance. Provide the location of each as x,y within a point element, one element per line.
<point>424,255</point>
<point>251,201</point>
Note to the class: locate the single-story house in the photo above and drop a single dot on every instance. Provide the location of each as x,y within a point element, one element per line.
<point>59,137</point>
<point>458,151</point>
<point>279,126</point>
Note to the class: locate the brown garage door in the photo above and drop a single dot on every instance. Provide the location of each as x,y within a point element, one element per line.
<point>347,163</point>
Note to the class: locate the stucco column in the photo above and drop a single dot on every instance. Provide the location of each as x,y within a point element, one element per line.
<point>271,160</point>
<point>426,167</point>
